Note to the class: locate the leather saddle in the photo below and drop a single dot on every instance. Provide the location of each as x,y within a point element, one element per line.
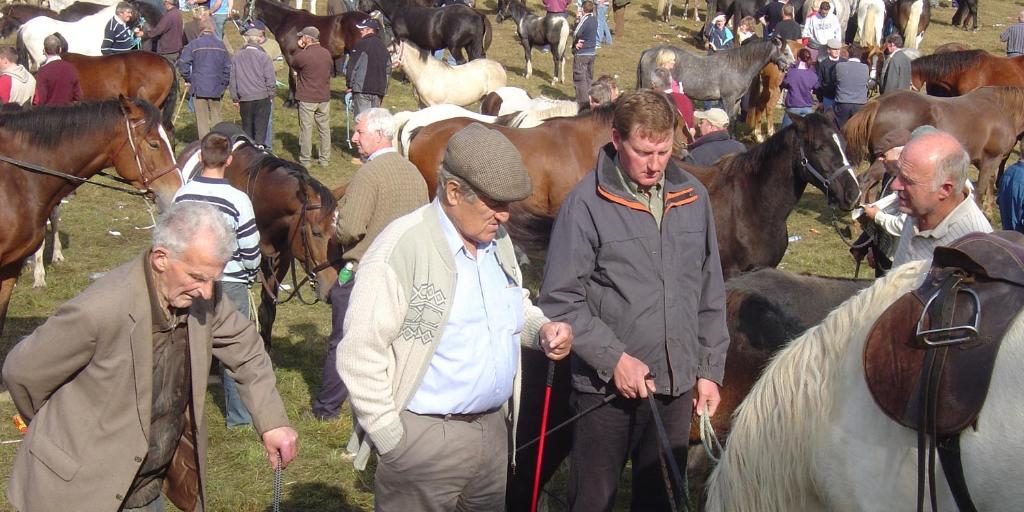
<point>192,166</point>
<point>928,359</point>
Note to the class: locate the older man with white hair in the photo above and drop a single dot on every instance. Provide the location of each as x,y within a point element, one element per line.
<point>931,185</point>
<point>386,187</point>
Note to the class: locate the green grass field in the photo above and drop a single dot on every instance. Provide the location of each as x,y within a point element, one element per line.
<point>321,478</point>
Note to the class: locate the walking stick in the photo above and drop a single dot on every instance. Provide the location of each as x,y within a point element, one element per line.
<point>177,111</point>
<point>543,427</point>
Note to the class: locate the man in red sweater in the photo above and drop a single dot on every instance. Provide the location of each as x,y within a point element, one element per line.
<point>56,80</point>
<point>16,83</point>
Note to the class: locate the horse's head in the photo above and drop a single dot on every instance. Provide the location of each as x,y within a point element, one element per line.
<point>396,51</point>
<point>503,11</point>
<point>823,161</point>
<point>366,6</point>
<point>143,157</point>
<point>313,245</point>
<point>782,54</point>
<point>145,16</point>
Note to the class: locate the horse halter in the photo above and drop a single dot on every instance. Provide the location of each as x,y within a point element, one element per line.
<point>826,182</point>
<point>147,178</point>
<point>309,263</point>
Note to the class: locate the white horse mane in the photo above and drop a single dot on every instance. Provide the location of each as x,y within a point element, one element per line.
<point>767,462</point>
<point>543,108</point>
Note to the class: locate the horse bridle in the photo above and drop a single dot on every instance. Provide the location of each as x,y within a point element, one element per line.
<point>827,184</point>
<point>147,178</point>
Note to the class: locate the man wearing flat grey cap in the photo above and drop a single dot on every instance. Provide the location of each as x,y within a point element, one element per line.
<point>433,332</point>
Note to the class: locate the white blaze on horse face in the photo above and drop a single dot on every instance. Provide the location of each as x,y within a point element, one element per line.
<point>846,162</point>
<point>167,142</point>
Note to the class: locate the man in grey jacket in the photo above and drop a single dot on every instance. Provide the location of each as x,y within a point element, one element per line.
<point>253,84</point>
<point>633,267</point>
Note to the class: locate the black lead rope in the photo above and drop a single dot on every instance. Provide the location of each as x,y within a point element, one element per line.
<point>78,180</point>
<point>678,483</point>
<point>278,483</point>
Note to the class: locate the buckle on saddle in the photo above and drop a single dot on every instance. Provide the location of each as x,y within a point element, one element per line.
<point>953,335</point>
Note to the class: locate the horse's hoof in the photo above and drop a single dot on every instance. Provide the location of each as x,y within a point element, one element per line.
<point>39,284</point>
<point>58,258</point>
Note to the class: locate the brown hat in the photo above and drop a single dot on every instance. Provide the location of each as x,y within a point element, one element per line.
<point>489,162</point>
<point>893,139</point>
<point>311,32</point>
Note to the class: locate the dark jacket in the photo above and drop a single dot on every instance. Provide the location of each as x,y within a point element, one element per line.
<point>206,66</point>
<point>312,66</point>
<point>369,65</point>
<point>117,38</point>
<point>788,30</point>
<point>772,14</point>
<point>169,33</point>
<point>587,31</point>
<point>57,84</point>
<point>896,73</point>
<point>252,75</point>
<point>852,82</point>
<point>627,286</point>
<point>827,77</point>
<point>708,149</point>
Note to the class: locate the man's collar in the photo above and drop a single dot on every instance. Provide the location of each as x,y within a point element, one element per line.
<point>381,151</point>
<point>632,186</point>
<point>943,226</point>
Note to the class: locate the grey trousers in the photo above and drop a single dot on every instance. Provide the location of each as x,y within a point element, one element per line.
<point>362,102</point>
<point>314,114</point>
<point>582,76</point>
<point>207,114</point>
<point>444,465</point>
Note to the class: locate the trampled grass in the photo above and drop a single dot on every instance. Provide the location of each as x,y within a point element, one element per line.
<point>321,478</point>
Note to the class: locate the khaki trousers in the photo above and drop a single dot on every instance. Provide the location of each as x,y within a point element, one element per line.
<point>318,114</point>
<point>445,465</point>
<point>207,114</point>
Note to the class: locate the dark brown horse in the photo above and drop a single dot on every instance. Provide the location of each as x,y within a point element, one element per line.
<point>295,215</point>
<point>957,73</point>
<point>966,13</point>
<point>80,140</point>
<point>765,310</point>
<point>337,33</point>
<point>753,193</point>
<point>136,74</point>
<point>457,27</point>
<point>987,121</point>
<point>557,154</point>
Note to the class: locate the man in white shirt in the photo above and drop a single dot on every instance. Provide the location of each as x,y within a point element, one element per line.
<point>822,27</point>
<point>931,187</point>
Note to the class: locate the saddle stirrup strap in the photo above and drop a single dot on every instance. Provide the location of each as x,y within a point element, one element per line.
<point>953,468</point>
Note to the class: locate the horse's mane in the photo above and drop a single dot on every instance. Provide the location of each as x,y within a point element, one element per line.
<point>49,126</point>
<point>269,163</point>
<point>767,464</point>
<point>751,161</point>
<point>515,8</point>
<point>541,109</point>
<point>740,58</point>
<point>1012,98</point>
<point>942,65</point>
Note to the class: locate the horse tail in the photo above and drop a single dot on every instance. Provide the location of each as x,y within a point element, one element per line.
<point>563,38</point>
<point>22,49</point>
<point>857,130</point>
<point>170,102</point>
<point>910,33</point>
<point>868,31</point>
<point>488,32</point>
<point>63,42</point>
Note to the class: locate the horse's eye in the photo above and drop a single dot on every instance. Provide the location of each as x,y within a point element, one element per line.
<point>153,144</point>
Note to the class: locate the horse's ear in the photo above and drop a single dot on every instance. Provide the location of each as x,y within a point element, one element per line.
<point>126,106</point>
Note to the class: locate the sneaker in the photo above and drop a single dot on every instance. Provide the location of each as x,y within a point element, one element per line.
<point>598,45</point>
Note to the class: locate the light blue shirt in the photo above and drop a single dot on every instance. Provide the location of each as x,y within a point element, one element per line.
<point>477,357</point>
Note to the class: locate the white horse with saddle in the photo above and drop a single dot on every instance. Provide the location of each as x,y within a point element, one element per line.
<point>812,434</point>
<point>436,82</point>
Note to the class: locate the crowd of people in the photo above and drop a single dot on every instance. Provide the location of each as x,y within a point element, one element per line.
<point>430,313</point>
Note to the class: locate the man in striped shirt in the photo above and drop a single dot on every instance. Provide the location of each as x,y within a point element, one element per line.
<point>931,187</point>
<point>240,272</point>
<point>1014,37</point>
<point>117,37</point>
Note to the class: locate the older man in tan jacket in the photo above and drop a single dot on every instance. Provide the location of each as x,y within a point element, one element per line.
<point>113,384</point>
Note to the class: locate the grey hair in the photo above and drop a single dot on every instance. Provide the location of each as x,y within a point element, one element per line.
<point>661,79</point>
<point>255,39</point>
<point>181,223</point>
<point>444,176</point>
<point>122,7</point>
<point>953,167</point>
<point>378,120</point>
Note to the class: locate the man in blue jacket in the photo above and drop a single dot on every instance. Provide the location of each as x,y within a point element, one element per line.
<point>206,67</point>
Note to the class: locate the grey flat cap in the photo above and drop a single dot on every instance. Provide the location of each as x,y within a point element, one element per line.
<point>489,162</point>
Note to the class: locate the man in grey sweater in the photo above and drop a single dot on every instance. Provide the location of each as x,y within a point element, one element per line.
<point>851,86</point>
<point>253,84</point>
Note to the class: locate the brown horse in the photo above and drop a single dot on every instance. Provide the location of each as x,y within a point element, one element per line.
<point>957,73</point>
<point>295,215</point>
<point>999,112</point>
<point>79,140</point>
<point>137,74</point>
<point>557,154</point>
<point>765,310</point>
<point>764,94</point>
<point>337,32</point>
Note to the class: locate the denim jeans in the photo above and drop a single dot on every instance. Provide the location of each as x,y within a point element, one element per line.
<point>604,34</point>
<point>797,111</point>
<point>235,412</point>
<point>218,24</point>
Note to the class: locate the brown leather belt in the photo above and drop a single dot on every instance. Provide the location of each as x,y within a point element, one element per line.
<point>466,418</point>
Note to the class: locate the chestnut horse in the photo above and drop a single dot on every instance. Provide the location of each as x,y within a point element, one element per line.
<point>959,72</point>
<point>557,154</point>
<point>764,93</point>
<point>337,33</point>
<point>80,140</point>
<point>136,74</point>
<point>295,215</point>
<point>765,310</point>
<point>998,111</point>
